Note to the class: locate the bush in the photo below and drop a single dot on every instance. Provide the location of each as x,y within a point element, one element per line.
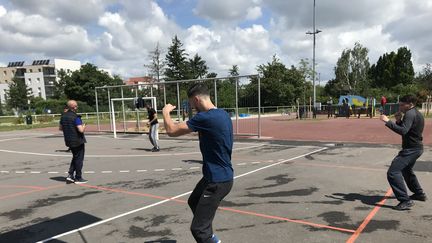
<point>46,119</point>
<point>18,120</point>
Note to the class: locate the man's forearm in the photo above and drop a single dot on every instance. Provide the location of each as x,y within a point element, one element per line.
<point>168,123</point>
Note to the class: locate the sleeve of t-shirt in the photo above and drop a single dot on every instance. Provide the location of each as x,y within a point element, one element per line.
<point>197,123</point>
<point>404,127</point>
<point>78,121</point>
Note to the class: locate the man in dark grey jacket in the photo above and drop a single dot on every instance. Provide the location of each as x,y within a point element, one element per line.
<point>73,130</point>
<point>410,127</point>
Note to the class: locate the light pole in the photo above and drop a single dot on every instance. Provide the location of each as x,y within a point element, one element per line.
<point>315,31</point>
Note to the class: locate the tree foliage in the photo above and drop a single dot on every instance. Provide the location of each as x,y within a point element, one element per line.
<point>81,84</point>
<point>18,95</point>
<point>157,64</point>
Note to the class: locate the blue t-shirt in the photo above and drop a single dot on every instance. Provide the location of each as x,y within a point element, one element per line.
<point>78,121</point>
<point>216,142</point>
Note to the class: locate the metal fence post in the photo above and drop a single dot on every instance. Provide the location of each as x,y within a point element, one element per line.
<point>124,113</point>
<point>259,107</point>
<point>97,110</point>
<point>178,101</point>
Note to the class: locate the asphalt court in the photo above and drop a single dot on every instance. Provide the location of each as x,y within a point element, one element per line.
<point>284,192</point>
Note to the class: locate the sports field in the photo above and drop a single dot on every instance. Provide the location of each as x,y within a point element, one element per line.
<point>315,189</point>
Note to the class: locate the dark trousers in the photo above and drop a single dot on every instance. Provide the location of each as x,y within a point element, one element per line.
<point>204,202</point>
<point>401,169</point>
<point>77,161</point>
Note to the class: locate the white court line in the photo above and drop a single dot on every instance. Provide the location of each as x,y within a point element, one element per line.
<point>167,200</point>
<point>35,172</point>
<point>177,169</point>
<point>194,168</point>
<point>89,172</point>
<point>159,170</point>
<point>117,155</point>
<point>258,162</point>
<point>124,171</point>
<point>107,171</point>
<point>241,164</point>
<point>52,172</point>
<point>20,172</point>
<point>4,171</point>
<point>141,170</point>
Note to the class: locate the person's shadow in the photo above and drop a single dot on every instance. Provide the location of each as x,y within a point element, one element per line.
<point>371,200</point>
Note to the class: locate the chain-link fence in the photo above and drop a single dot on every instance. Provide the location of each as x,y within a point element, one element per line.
<point>239,96</point>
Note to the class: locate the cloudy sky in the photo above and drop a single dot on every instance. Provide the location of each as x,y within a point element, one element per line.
<point>118,35</point>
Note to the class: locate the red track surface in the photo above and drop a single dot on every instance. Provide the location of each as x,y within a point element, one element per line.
<point>363,130</point>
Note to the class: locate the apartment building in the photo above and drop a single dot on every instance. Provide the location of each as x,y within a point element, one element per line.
<point>39,75</point>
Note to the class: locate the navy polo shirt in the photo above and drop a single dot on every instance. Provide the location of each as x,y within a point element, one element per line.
<point>216,142</point>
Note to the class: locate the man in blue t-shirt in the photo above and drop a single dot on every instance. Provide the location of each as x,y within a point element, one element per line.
<point>215,132</point>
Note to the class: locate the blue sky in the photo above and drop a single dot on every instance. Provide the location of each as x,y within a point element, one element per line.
<point>118,35</point>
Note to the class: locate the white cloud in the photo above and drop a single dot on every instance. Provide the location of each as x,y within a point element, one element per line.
<point>253,13</point>
<point>227,10</point>
<point>119,34</point>
<point>3,11</point>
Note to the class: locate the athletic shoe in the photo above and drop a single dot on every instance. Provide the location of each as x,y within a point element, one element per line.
<point>80,181</point>
<point>405,205</point>
<point>155,150</point>
<point>70,179</point>
<point>419,197</point>
<point>215,239</point>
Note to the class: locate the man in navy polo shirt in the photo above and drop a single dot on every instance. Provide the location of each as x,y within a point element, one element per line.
<point>214,127</point>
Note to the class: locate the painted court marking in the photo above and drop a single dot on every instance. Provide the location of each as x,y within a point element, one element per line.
<point>172,198</point>
<point>117,155</point>
<point>368,218</point>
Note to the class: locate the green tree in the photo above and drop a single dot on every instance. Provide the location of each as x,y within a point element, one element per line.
<point>176,61</point>
<point>424,78</point>
<point>81,84</point>
<point>18,95</point>
<point>197,67</point>
<point>352,70</point>
<point>59,86</point>
<point>157,65</point>
<point>392,69</point>
<point>280,85</point>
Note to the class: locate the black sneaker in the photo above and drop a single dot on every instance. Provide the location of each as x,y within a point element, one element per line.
<point>80,181</point>
<point>70,179</point>
<point>155,150</point>
<point>405,205</point>
<point>419,197</point>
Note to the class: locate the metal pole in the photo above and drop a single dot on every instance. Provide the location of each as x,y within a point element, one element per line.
<point>236,107</point>
<point>124,113</point>
<point>164,90</point>
<point>137,110</point>
<point>178,102</point>
<point>109,107</point>
<point>259,107</point>
<point>113,120</point>
<point>313,71</point>
<point>215,90</point>
<point>97,110</point>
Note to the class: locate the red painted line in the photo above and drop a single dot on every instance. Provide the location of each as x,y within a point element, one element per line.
<point>223,208</point>
<point>369,218</point>
<point>338,166</point>
<point>18,186</point>
<point>29,192</point>
<point>287,219</point>
<point>122,191</point>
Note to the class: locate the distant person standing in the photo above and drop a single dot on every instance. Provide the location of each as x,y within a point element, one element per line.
<point>154,127</point>
<point>401,169</point>
<point>73,131</point>
<point>383,103</point>
<point>330,107</point>
<point>214,127</point>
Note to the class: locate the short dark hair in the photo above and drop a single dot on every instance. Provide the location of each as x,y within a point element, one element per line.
<point>198,89</point>
<point>409,99</point>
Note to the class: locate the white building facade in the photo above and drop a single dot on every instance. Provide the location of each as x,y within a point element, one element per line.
<point>40,76</point>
